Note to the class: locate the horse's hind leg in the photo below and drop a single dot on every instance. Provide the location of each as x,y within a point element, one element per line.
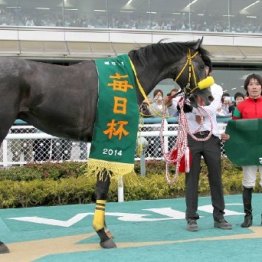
<point>3,248</point>
<point>3,132</point>
<point>7,117</point>
<point>102,187</point>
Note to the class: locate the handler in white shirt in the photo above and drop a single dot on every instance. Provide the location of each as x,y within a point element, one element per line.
<point>200,125</point>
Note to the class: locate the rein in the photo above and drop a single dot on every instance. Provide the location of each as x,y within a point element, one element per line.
<point>181,145</point>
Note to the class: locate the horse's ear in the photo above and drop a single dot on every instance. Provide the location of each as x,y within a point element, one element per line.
<point>198,43</point>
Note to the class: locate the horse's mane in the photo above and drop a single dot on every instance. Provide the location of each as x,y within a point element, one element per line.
<point>165,50</point>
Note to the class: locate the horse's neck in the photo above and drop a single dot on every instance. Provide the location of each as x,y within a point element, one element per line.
<point>149,71</point>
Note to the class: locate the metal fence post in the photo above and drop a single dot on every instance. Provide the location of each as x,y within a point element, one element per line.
<point>165,137</point>
<point>5,159</point>
<point>143,164</point>
<point>144,143</point>
<point>120,190</point>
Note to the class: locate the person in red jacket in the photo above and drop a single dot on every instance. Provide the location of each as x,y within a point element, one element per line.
<point>250,108</point>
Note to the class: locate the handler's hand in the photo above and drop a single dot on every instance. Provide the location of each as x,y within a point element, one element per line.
<point>225,137</point>
<point>186,107</point>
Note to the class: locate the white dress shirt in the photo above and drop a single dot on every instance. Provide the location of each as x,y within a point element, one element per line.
<point>208,113</point>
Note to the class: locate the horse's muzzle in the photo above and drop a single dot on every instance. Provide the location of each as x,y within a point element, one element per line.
<point>201,97</point>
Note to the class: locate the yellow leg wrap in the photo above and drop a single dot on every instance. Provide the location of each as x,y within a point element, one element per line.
<point>99,216</point>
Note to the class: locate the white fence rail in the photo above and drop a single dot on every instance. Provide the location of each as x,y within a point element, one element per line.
<point>26,144</point>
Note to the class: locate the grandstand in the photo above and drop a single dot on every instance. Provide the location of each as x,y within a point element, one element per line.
<point>67,31</point>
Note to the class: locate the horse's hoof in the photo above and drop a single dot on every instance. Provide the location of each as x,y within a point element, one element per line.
<point>3,248</point>
<point>109,243</point>
<point>109,234</point>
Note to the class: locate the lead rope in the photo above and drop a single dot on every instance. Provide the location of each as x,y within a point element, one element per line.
<point>181,145</point>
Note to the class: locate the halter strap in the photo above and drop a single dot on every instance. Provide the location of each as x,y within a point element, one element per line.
<point>191,70</point>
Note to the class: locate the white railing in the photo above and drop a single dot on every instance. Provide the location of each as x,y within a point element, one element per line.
<point>26,144</point>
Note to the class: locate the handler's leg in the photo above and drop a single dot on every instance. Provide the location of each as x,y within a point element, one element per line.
<point>212,156</point>
<point>102,188</point>
<point>192,185</point>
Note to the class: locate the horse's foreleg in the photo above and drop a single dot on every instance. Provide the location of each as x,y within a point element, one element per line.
<point>102,188</point>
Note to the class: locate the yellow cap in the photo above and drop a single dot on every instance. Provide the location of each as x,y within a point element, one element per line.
<point>205,83</point>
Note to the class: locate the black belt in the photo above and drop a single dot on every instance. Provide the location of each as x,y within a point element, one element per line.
<point>202,133</point>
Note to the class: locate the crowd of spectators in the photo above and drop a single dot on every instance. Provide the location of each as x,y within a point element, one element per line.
<point>182,22</point>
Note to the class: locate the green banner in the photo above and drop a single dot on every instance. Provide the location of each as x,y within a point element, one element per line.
<point>115,131</point>
<point>244,147</point>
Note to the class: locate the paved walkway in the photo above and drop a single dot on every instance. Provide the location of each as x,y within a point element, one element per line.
<point>143,231</point>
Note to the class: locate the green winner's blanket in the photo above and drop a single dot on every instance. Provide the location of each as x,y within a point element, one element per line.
<point>115,131</point>
<point>244,147</point>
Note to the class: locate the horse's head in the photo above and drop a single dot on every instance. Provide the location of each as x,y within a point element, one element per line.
<point>185,62</point>
<point>192,71</point>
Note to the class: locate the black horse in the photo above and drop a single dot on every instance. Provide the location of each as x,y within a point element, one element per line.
<point>62,100</point>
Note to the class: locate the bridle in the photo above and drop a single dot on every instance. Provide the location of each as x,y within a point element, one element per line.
<point>191,73</point>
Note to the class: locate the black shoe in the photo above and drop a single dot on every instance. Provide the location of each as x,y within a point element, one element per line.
<point>247,221</point>
<point>192,225</point>
<point>222,224</point>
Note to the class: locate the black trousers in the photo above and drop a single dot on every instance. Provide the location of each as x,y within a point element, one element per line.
<point>211,152</point>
